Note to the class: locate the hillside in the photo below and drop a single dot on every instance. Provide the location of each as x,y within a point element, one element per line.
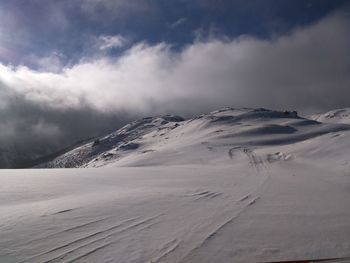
<point>334,116</point>
<point>233,185</point>
<point>211,139</point>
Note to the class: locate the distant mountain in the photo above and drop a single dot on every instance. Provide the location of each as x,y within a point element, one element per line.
<point>233,185</point>
<point>215,137</point>
<point>18,156</point>
<point>13,155</point>
<point>334,116</point>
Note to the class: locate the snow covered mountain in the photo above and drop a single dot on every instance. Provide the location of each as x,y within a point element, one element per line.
<point>334,116</point>
<point>234,185</point>
<point>212,138</point>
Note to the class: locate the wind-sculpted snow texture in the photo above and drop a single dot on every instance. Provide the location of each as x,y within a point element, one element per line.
<point>234,185</point>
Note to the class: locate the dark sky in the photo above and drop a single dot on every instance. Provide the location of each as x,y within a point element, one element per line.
<point>72,69</point>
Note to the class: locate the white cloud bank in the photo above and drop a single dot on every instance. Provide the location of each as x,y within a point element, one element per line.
<point>110,42</point>
<point>308,69</point>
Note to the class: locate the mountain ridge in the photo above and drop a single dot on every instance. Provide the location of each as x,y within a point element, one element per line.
<point>170,139</point>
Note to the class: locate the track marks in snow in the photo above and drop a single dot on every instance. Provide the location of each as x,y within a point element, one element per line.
<point>257,161</point>
<point>253,159</point>
<point>79,240</point>
<point>60,212</point>
<point>245,202</point>
<point>249,199</point>
<point>84,225</point>
<point>64,211</point>
<point>205,195</point>
<point>208,238</point>
<point>242,204</point>
<point>209,195</point>
<point>87,253</point>
<point>231,152</point>
<point>253,201</point>
<point>73,228</point>
<point>244,198</point>
<point>166,250</point>
<point>94,241</point>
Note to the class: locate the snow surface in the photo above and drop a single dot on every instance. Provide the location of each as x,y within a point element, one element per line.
<point>334,116</point>
<point>206,140</point>
<point>234,185</point>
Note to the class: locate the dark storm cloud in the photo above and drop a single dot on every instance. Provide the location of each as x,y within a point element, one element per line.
<point>307,69</point>
<point>29,131</point>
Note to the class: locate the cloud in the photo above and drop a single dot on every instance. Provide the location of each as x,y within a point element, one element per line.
<point>282,72</point>
<point>50,63</point>
<point>178,23</point>
<point>110,42</point>
<point>307,70</point>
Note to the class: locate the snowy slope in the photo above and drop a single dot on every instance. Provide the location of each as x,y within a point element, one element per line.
<point>209,138</point>
<point>334,116</point>
<point>234,185</point>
